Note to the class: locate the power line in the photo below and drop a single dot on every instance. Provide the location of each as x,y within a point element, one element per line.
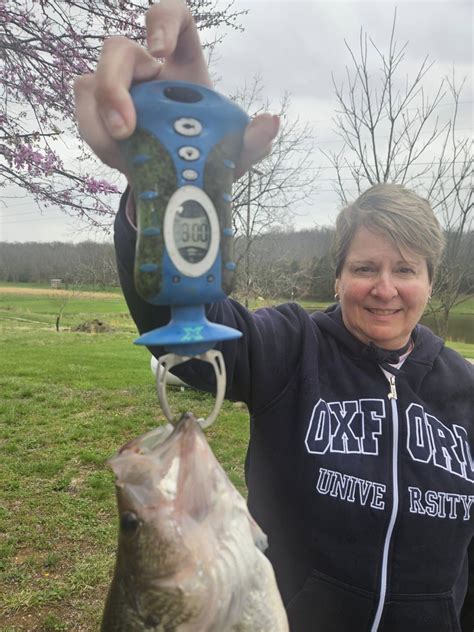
<point>30,221</point>
<point>440,105</point>
<point>20,214</point>
<point>419,164</point>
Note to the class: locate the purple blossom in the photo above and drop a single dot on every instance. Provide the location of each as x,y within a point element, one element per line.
<point>33,161</point>
<point>50,42</point>
<point>93,186</point>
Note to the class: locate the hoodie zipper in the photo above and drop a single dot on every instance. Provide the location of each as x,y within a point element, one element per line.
<point>392,396</point>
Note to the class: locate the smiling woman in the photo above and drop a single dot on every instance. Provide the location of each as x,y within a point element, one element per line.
<point>360,418</point>
<point>384,269</point>
<point>387,247</point>
<point>382,294</point>
<point>396,212</point>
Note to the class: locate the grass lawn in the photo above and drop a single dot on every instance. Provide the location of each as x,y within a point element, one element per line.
<point>69,401</point>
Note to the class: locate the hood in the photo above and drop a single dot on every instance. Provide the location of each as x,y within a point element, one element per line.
<point>427,346</point>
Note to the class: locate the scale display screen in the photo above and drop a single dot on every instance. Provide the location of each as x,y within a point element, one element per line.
<point>192,231</point>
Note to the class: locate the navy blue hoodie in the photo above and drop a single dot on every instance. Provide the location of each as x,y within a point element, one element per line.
<point>364,488</point>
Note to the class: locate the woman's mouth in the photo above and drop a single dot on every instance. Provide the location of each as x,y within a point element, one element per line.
<point>382,312</point>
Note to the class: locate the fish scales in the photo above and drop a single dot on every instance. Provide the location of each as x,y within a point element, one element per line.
<point>189,554</point>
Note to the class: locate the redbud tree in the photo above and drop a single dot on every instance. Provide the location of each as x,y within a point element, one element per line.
<point>44,45</point>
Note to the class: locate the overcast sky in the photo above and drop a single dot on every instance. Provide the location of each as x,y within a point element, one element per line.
<point>294,46</point>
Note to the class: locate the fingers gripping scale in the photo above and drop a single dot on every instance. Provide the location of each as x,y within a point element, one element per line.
<point>181,160</point>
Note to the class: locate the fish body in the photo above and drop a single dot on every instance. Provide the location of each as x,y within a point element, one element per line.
<point>189,555</point>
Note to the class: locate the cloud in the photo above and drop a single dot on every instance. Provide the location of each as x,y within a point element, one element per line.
<point>295,46</point>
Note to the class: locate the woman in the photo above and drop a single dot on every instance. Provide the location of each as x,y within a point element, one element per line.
<point>359,465</point>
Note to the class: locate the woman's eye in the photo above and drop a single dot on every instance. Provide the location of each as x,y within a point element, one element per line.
<point>363,269</point>
<point>406,270</point>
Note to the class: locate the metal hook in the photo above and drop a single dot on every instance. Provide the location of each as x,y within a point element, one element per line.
<point>171,360</point>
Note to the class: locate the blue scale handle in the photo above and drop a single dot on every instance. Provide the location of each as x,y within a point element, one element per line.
<point>181,161</point>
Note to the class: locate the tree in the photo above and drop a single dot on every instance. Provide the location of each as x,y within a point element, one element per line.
<point>59,300</point>
<point>266,198</point>
<point>275,279</point>
<point>44,45</point>
<point>288,264</point>
<point>392,132</point>
<point>321,273</point>
<point>86,263</point>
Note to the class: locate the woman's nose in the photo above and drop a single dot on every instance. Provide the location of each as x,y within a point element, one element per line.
<point>384,287</point>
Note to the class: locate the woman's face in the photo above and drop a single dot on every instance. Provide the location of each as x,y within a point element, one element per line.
<point>383,292</point>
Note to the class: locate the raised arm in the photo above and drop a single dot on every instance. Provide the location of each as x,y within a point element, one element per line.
<point>105,115</point>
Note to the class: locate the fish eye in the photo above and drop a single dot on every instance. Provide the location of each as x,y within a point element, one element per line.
<point>129,523</point>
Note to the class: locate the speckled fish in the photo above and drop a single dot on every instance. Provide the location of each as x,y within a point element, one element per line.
<point>189,556</point>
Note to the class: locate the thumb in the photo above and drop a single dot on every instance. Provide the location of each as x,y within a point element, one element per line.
<point>258,139</point>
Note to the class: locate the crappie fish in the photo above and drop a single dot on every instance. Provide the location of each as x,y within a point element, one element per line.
<point>189,556</point>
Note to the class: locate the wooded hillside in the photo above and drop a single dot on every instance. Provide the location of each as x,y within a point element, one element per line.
<point>289,264</point>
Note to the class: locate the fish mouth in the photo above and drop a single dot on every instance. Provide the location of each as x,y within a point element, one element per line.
<point>151,441</point>
<point>170,464</point>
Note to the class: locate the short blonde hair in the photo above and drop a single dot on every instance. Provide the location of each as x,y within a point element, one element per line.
<point>396,212</point>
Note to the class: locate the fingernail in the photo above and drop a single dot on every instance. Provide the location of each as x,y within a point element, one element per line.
<point>156,41</point>
<point>116,123</point>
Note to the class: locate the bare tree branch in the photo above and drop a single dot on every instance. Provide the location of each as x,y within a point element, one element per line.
<point>392,132</point>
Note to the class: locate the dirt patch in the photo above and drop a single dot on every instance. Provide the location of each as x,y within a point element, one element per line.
<point>40,291</point>
<point>94,326</point>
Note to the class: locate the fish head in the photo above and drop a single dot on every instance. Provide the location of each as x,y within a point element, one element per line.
<point>150,538</point>
<point>188,550</point>
<point>170,491</point>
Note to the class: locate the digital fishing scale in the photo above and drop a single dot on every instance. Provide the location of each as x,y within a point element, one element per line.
<point>181,160</point>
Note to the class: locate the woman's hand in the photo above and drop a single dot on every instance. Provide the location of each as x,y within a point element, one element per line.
<point>104,108</point>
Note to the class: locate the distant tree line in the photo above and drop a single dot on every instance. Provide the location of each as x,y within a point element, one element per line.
<point>281,263</point>
<point>290,265</point>
<point>86,263</point>
<point>299,265</point>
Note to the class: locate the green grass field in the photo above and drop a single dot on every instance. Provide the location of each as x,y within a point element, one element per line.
<point>68,401</point>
